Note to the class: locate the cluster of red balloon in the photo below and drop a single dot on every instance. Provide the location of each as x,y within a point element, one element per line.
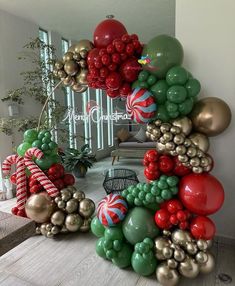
<point>113,63</point>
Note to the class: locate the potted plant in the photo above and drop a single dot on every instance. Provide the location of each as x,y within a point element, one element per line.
<point>78,161</point>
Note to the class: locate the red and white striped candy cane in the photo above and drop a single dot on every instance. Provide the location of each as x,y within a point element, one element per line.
<point>37,173</point>
<point>21,184</point>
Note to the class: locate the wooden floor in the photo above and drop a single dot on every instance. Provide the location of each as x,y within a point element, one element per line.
<point>71,260</point>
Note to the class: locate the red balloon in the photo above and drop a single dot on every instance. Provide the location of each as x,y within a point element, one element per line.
<point>202,227</point>
<point>162,219</point>
<point>202,194</point>
<point>107,31</point>
<point>130,69</point>
<point>151,175</point>
<point>69,180</point>
<point>151,155</point>
<point>92,55</point>
<point>179,168</point>
<point>13,178</point>
<point>113,81</point>
<point>113,93</point>
<point>125,89</point>
<point>166,164</point>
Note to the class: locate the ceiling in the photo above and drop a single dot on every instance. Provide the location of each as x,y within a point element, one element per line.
<point>77,19</point>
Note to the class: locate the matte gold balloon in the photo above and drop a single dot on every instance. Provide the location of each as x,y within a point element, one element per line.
<point>59,65</point>
<point>73,222</point>
<point>167,276</point>
<point>189,268</point>
<point>39,207</point>
<point>68,57</point>
<point>71,68</point>
<point>86,225</point>
<point>200,140</point>
<point>83,45</point>
<point>209,265</point>
<point>57,218</point>
<point>71,206</point>
<point>86,208</point>
<point>211,116</point>
<point>185,124</point>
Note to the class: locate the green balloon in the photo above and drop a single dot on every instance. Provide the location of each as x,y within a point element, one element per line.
<point>166,194</point>
<point>139,224</point>
<point>22,148</point>
<point>48,134</point>
<point>164,52</point>
<point>171,107</point>
<point>151,80</point>
<point>55,158</point>
<point>100,248</point>
<point>143,84</point>
<point>123,258</point>
<point>46,140</point>
<point>52,145</point>
<point>143,76</point>
<point>135,84</point>
<point>96,227</point>
<point>186,107</point>
<point>44,147</point>
<point>41,134</point>
<point>44,163</point>
<point>174,114</point>
<point>143,266</point>
<point>193,87</point>
<point>159,90</point>
<point>177,76</point>
<point>162,113</point>
<point>176,94</point>
<point>30,135</point>
<point>113,233</point>
<point>37,143</point>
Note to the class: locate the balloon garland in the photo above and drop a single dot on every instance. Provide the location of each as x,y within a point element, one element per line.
<point>161,226</point>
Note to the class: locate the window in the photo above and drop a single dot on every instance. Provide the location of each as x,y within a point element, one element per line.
<point>69,102</point>
<point>99,120</point>
<point>87,119</point>
<point>110,122</point>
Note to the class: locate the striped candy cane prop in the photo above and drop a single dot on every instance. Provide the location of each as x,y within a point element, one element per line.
<point>37,172</point>
<point>21,184</point>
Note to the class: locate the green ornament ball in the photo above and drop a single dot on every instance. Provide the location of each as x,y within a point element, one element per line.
<point>47,134</point>
<point>143,266</point>
<point>139,224</point>
<point>100,248</point>
<point>22,148</point>
<point>97,228</point>
<point>177,76</point>
<point>123,258</point>
<point>46,140</point>
<point>186,107</point>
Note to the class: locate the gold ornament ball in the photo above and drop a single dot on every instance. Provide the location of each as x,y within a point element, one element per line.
<point>73,222</point>
<point>55,229</point>
<point>86,225</point>
<point>71,67</point>
<point>201,257</point>
<point>167,276</point>
<point>201,141</point>
<point>68,57</point>
<point>160,147</point>
<point>66,194</point>
<point>209,265</point>
<point>71,206</point>
<point>57,218</point>
<point>181,237</point>
<point>191,248</point>
<point>83,45</point>
<point>172,263</point>
<point>160,244</point>
<point>179,255</point>
<point>211,116</point>
<point>39,207</point>
<point>59,65</point>
<point>79,195</point>
<point>61,204</point>
<point>191,152</point>
<point>184,123</point>
<point>86,208</point>
<point>175,130</point>
<point>189,268</point>
<point>179,139</point>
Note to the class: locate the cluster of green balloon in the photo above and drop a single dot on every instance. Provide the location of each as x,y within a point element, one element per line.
<point>43,141</point>
<point>175,95</point>
<point>111,244</point>
<point>143,259</point>
<point>150,195</point>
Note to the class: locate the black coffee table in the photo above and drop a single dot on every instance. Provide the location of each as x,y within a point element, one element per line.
<point>116,180</point>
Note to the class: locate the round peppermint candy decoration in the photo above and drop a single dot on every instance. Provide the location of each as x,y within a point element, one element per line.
<point>141,106</point>
<point>112,209</point>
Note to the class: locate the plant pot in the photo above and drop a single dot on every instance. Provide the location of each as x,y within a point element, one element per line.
<point>80,171</point>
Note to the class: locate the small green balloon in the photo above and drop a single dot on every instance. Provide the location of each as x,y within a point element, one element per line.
<point>30,135</point>
<point>166,194</point>
<point>174,114</point>
<point>162,113</point>
<point>151,80</point>
<point>55,158</point>
<point>110,254</point>
<point>149,198</point>
<point>44,147</point>
<point>143,266</point>
<point>172,181</point>
<point>46,140</point>
<point>177,76</point>
<point>138,202</point>
<point>99,247</point>
<point>135,84</point>
<point>44,163</point>
<point>37,144</point>
<point>144,84</point>
<point>108,244</point>
<point>117,245</point>
<point>113,233</point>
<point>162,184</point>
<point>130,199</point>
<point>159,90</point>
<point>186,107</point>
<point>138,224</point>
<point>22,148</point>
<point>41,134</point>
<point>176,94</point>
<point>193,87</point>
<point>143,76</point>
<point>97,228</point>
<point>123,258</point>
<point>48,134</point>
<point>52,145</point>
<point>171,107</point>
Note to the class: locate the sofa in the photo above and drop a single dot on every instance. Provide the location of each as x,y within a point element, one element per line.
<point>134,145</point>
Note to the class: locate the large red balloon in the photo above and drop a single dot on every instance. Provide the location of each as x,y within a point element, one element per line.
<point>202,227</point>
<point>202,194</point>
<point>107,31</point>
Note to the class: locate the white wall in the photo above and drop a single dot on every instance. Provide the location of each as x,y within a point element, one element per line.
<point>206,29</point>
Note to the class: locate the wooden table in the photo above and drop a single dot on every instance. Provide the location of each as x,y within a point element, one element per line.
<point>70,260</point>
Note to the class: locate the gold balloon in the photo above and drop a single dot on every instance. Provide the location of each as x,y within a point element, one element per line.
<point>39,207</point>
<point>201,257</point>
<point>68,80</point>
<point>79,195</point>
<point>71,68</point>
<point>167,276</point>
<point>211,116</point>
<point>62,74</point>
<point>172,263</point>
<point>81,78</point>
<point>79,88</point>
<point>83,45</point>
<point>83,64</point>
<point>160,244</point>
<point>179,139</point>
<point>59,65</point>
<point>167,252</point>
<point>185,124</point>
<point>73,222</point>
<point>55,229</point>
<point>76,56</point>
<point>71,206</point>
<point>72,48</point>
<point>43,229</point>
<point>200,140</point>
<point>179,255</point>
<point>209,265</point>
<point>86,208</point>
<point>68,57</point>
<point>191,248</point>
<point>181,237</point>
<point>86,225</point>
<point>57,218</point>
<point>175,130</point>
<point>189,268</point>
<point>160,147</point>
<point>83,53</point>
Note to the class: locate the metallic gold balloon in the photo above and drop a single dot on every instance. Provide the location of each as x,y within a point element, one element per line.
<point>43,229</point>
<point>179,255</point>
<point>62,74</point>
<point>39,207</point>
<point>160,147</point>
<point>160,244</point>
<point>57,218</point>
<point>71,189</point>
<point>68,80</point>
<point>79,88</point>
<point>201,257</point>
<point>71,67</point>
<point>83,53</point>
<point>181,237</point>
<point>73,222</point>
<point>86,225</point>
<point>209,265</point>
<point>81,78</point>
<point>181,150</point>
<point>59,65</point>
<point>156,132</point>
<point>172,263</point>
<point>71,206</point>
<point>68,57</point>
<point>197,170</point>
<point>195,162</point>
<point>189,268</point>
<point>79,195</point>
<point>200,140</point>
<point>83,45</point>
<point>183,158</point>
<point>167,276</point>
<point>179,139</point>
<point>167,252</point>
<point>211,116</point>
<point>86,208</point>
<point>83,64</point>
<point>76,56</point>
<point>175,130</point>
<point>170,146</point>
<point>165,127</point>
<point>61,204</point>
<point>192,152</point>
<point>191,248</point>
<point>209,244</point>
<point>55,229</point>
<point>185,124</point>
